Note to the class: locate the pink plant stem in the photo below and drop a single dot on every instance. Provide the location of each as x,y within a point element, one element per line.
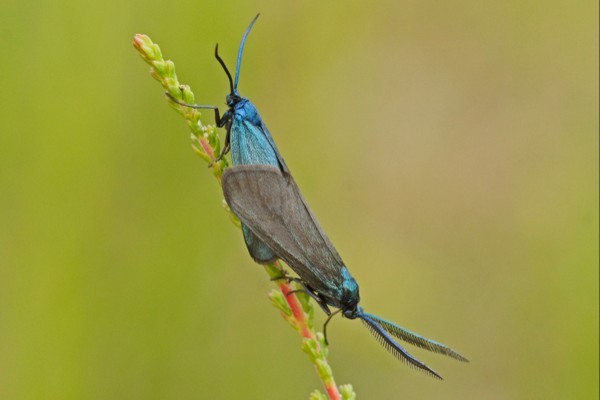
<point>333,392</point>
<point>305,331</point>
<point>207,148</point>
<point>297,310</point>
<point>164,72</point>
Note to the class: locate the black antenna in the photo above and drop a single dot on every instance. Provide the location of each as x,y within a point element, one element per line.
<point>220,60</point>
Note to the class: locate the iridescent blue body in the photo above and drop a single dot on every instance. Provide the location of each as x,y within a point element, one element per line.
<point>278,224</point>
<point>251,143</point>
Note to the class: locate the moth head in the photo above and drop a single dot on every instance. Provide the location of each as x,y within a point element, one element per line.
<point>232,99</point>
<point>350,296</point>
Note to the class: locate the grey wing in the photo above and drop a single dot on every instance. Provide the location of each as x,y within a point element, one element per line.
<point>271,206</point>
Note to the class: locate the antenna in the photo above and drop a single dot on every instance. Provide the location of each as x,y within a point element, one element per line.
<point>239,59</point>
<point>220,60</point>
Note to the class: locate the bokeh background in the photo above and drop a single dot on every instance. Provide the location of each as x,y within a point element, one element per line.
<point>450,150</point>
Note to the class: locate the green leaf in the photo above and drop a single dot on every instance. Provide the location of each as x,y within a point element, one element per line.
<point>317,395</point>
<point>278,300</point>
<point>347,392</point>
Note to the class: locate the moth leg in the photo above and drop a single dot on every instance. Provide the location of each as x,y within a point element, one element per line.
<point>221,122</point>
<point>320,301</point>
<point>306,289</point>
<point>218,120</point>
<point>286,277</point>
<point>225,150</point>
<point>325,325</point>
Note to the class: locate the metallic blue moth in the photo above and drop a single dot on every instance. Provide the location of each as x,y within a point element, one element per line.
<point>277,222</point>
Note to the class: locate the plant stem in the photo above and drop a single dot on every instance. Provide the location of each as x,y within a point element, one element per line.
<point>295,308</point>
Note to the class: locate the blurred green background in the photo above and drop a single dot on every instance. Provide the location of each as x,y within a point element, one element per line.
<point>450,150</point>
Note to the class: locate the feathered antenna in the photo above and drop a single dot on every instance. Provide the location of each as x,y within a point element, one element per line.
<point>393,347</point>
<point>415,339</point>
